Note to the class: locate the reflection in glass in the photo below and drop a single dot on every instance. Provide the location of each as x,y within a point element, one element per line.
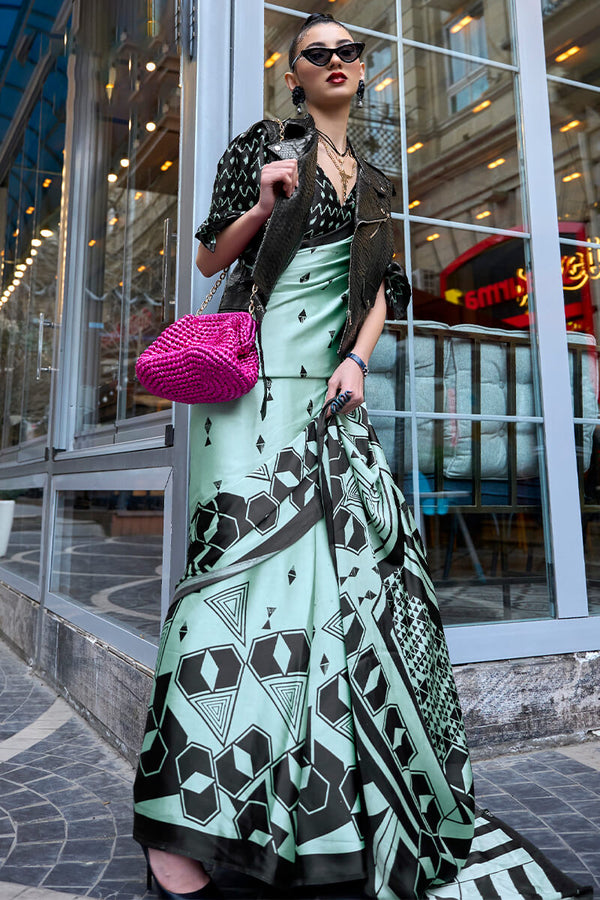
<point>587,442</point>
<point>107,555</point>
<point>379,15</point>
<point>30,238</point>
<point>478,29</point>
<point>469,278</point>
<point>136,95</point>
<point>572,39</point>
<point>463,160</point>
<point>479,478</point>
<point>574,114</point>
<point>21,530</point>
<point>375,128</point>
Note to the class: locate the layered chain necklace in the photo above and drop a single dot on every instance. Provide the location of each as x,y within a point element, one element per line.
<point>337,159</point>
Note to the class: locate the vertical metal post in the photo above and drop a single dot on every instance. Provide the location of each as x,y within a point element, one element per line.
<point>563,491</point>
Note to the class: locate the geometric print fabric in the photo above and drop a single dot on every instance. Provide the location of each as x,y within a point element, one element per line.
<point>304,726</point>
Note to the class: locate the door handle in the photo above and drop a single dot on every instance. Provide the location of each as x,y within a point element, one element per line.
<point>169,240</point>
<point>39,368</point>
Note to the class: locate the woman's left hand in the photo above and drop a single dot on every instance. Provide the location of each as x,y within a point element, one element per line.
<point>347,377</point>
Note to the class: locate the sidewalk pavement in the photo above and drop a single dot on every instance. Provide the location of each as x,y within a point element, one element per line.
<point>66,817</point>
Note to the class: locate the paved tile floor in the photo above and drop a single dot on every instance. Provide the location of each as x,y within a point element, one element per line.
<point>65,801</point>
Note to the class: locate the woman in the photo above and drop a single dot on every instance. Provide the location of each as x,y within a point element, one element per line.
<point>304,727</point>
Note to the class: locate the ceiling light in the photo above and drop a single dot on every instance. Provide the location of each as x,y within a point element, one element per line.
<point>29,261</point>
<point>36,242</point>
<point>484,214</point>
<point>570,125</point>
<point>34,251</point>
<point>166,165</point>
<point>46,182</point>
<point>124,162</point>
<point>46,232</point>
<point>150,66</point>
<point>150,126</point>
<point>21,267</point>
<point>270,62</point>
<point>92,242</point>
<point>113,221</point>
<point>567,53</point>
<point>383,84</point>
<point>414,203</point>
<point>111,177</point>
<point>497,162</point>
<point>19,274</point>
<point>483,105</point>
<point>414,147</point>
<point>138,194</point>
<point>141,268</point>
<point>572,176</point>
<point>466,20</point>
<point>433,237</point>
<point>29,210</point>
<point>10,288</point>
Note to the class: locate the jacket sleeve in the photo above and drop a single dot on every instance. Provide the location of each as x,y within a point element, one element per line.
<point>237,184</point>
<point>397,290</point>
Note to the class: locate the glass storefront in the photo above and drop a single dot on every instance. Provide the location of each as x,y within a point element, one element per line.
<point>124,108</point>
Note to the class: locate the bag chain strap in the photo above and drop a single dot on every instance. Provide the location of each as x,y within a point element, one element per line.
<point>223,274</point>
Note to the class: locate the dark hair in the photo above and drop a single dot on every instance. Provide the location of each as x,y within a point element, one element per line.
<point>314,19</point>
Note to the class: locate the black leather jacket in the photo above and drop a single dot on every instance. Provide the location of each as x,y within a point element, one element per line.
<point>372,244</point>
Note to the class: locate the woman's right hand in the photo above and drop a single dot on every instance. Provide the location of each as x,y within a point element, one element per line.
<point>279,177</point>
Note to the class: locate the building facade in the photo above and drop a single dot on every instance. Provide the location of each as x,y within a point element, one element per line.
<point>486,116</point>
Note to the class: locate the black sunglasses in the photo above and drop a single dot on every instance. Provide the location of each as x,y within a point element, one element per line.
<point>321,56</point>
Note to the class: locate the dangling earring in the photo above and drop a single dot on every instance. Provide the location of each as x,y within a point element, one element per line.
<point>360,93</point>
<point>298,98</point>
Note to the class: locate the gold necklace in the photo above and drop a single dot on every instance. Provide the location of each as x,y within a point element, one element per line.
<point>344,176</point>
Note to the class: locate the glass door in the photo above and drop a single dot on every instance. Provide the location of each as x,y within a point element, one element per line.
<point>29,272</point>
<point>130,223</point>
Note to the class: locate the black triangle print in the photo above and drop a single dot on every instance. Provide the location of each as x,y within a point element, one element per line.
<point>217,711</point>
<point>288,695</point>
<point>230,606</point>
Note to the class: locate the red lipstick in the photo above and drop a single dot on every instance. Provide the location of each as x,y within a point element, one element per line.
<point>337,78</point>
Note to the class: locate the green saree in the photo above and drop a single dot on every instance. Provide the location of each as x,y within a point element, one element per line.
<point>304,726</point>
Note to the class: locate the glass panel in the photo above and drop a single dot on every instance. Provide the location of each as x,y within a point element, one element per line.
<point>21,530</point>
<point>587,442</point>
<point>469,278</point>
<point>478,29</point>
<point>572,39</point>
<point>107,555</point>
<point>135,93</point>
<point>31,259</point>
<point>479,478</point>
<point>581,283</point>
<point>374,129</point>
<point>480,496</point>
<point>15,296</point>
<point>379,15</point>
<point>574,114</point>
<point>463,157</point>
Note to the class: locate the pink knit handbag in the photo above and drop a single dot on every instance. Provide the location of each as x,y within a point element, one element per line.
<point>202,359</point>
